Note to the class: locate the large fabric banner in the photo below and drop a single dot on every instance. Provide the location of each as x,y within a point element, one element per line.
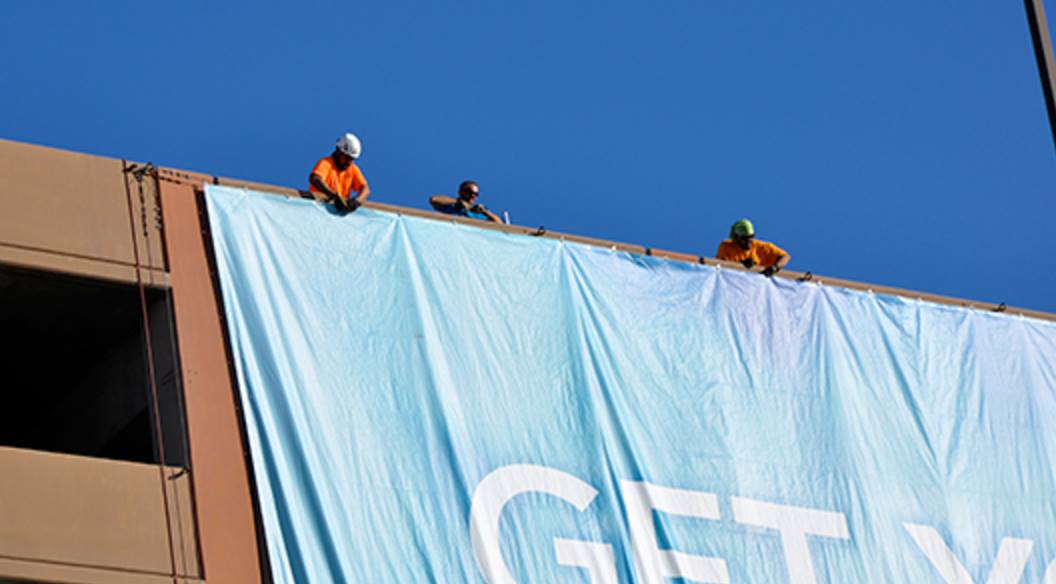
<point>428,401</point>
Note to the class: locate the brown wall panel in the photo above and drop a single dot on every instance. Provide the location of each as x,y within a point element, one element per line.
<point>65,203</point>
<point>226,522</point>
<point>58,509</point>
<point>32,571</point>
<point>78,266</point>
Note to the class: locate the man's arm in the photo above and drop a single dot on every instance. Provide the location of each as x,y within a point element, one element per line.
<point>441,202</point>
<point>364,193</point>
<point>327,194</point>
<point>777,266</point>
<point>487,213</point>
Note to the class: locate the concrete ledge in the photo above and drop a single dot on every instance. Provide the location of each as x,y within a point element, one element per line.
<point>64,263</point>
<point>60,512</point>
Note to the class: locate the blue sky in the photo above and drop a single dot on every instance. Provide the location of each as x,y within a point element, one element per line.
<point>902,142</point>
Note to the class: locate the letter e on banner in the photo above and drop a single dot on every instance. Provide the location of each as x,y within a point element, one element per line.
<point>653,565</point>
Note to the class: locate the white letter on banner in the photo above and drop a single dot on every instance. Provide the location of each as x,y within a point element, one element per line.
<point>492,494</point>
<point>653,565</point>
<point>597,558</point>
<point>1007,569</point>
<point>794,524</point>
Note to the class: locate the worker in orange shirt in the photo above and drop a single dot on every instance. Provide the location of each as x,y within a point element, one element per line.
<point>757,256</point>
<point>336,177</point>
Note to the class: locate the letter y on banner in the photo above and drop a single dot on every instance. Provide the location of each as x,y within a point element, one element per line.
<point>1007,569</point>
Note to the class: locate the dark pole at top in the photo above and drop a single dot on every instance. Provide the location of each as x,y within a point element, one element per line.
<point>1039,31</point>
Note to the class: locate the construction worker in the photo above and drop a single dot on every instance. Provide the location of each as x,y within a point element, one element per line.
<point>336,177</point>
<point>465,205</point>
<point>757,256</point>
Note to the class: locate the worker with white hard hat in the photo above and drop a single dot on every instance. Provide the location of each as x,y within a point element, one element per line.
<point>336,177</point>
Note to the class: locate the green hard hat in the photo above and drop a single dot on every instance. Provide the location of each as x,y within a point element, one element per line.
<point>743,228</point>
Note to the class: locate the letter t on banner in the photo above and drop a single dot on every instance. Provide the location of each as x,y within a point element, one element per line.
<point>655,566</point>
<point>794,524</point>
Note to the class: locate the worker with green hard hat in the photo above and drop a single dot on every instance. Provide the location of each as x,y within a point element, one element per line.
<point>758,256</point>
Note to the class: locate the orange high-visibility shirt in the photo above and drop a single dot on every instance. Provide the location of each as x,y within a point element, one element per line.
<point>764,253</point>
<point>341,182</point>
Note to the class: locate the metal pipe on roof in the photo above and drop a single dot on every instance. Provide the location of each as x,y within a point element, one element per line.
<point>1039,33</point>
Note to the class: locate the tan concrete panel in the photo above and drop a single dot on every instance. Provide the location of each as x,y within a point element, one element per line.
<point>65,202</point>
<point>78,266</point>
<point>90,512</point>
<point>66,574</point>
<point>226,523</point>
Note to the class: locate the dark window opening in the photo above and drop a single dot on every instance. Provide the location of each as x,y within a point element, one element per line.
<point>73,368</point>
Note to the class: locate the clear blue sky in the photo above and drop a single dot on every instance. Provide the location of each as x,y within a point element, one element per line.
<point>902,142</point>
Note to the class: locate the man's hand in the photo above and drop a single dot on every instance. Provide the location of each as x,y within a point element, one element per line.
<point>339,205</point>
<point>344,207</point>
<point>748,262</point>
<point>770,270</point>
<point>478,208</point>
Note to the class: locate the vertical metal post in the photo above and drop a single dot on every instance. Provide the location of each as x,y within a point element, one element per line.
<point>1039,32</point>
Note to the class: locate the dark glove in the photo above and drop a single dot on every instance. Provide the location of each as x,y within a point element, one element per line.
<point>344,207</point>
<point>339,205</point>
<point>748,262</point>
<point>771,270</point>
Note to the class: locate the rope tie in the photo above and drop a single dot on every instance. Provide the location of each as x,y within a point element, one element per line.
<point>138,172</point>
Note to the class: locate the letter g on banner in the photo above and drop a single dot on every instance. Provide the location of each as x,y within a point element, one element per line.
<point>497,489</point>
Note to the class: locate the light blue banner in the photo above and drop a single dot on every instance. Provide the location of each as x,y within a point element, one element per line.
<point>432,402</point>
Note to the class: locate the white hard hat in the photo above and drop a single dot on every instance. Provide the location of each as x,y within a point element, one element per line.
<point>349,144</point>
